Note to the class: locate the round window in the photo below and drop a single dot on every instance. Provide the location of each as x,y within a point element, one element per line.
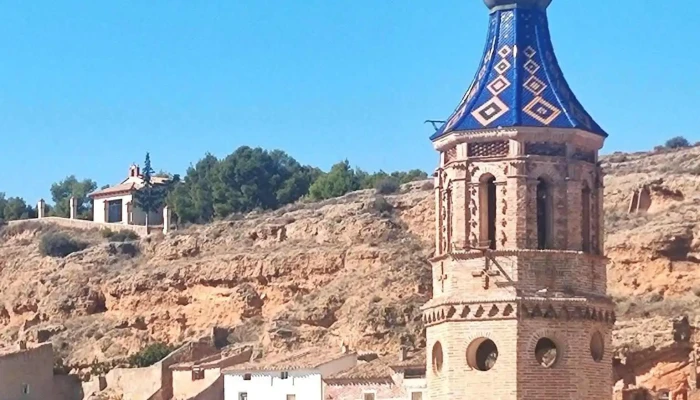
<point>437,357</point>
<point>597,347</point>
<point>546,352</point>
<point>482,354</point>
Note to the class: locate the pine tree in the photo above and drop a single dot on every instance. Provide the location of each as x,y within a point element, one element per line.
<point>149,198</point>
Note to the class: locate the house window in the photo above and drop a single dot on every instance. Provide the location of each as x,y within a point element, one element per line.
<point>246,377</point>
<point>487,206</point>
<point>417,396</point>
<point>586,218</point>
<point>197,374</point>
<point>284,375</point>
<point>25,388</point>
<point>243,396</point>
<point>291,397</point>
<point>544,215</point>
<point>369,396</point>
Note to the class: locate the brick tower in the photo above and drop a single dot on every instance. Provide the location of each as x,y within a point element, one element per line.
<point>519,307</point>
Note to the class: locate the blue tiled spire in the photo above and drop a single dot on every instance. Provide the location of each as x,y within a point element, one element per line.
<point>519,82</point>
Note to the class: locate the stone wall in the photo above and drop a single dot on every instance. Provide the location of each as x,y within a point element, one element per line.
<point>154,382</point>
<point>68,387</point>
<point>185,387</point>
<point>28,374</point>
<point>83,224</point>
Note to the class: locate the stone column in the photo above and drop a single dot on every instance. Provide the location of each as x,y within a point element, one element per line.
<point>73,203</point>
<point>166,219</point>
<point>41,209</point>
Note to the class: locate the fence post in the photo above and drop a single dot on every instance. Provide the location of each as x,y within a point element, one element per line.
<point>41,209</point>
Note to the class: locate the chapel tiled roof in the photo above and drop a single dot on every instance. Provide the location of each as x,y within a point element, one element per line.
<point>519,82</point>
<point>122,187</point>
<point>304,359</point>
<point>127,186</point>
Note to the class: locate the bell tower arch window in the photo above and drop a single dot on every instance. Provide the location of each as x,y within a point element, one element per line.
<point>586,218</point>
<point>544,214</point>
<point>487,211</point>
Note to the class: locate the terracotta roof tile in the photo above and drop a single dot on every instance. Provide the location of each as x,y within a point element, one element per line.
<point>122,187</point>
<point>127,186</point>
<point>413,359</point>
<point>305,359</point>
<point>371,370</point>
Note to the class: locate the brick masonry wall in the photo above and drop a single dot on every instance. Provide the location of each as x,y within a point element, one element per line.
<point>527,271</point>
<point>457,380</point>
<point>458,193</point>
<point>575,375</point>
<point>464,282</point>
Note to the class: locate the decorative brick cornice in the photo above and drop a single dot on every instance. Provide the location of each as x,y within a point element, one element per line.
<point>572,136</point>
<point>518,309</point>
<point>472,254</point>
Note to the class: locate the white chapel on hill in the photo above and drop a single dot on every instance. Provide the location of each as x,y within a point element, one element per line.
<point>115,204</point>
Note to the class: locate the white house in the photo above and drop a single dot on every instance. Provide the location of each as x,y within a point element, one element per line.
<point>115,204</point>
<point>296,376</point>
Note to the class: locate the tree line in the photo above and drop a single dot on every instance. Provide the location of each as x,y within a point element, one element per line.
<point>247,179</point>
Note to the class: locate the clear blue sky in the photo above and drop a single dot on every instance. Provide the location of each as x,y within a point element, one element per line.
<point>87,87</point>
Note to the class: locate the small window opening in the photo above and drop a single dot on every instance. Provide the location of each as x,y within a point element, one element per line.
<point>291,397</point>
<point>242,396</point>
<point>369,396</point>
<point>247,377</point>
<point>414,374</point>
<point>546,352</point>
<point>597,347</point>
<point>664,395</point>
<point>586,219</point>
<point>25,388</point>
<point>544,215</point>
<point>417,396</point>
<point>482,354</point>
<point>284,375</point>
<point>197,374</point>
<point>437,357</point>
<point>488,211</point>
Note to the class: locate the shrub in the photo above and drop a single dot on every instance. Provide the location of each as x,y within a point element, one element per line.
<point>124,235</point>
<point>15,229</point>
<point>150,355</point>
<point>382,206</point>
<point>677,142</point>
<point>59,245</point>
<point>387,186</point>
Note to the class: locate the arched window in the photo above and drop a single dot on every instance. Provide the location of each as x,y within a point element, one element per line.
<point>586,218</point>
<point>544,215</point>
<point>487,211</point>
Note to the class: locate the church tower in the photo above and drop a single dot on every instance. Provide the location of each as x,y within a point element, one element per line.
<point>519,307</point>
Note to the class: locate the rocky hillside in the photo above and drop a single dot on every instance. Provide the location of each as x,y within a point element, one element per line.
<point>350,269</point>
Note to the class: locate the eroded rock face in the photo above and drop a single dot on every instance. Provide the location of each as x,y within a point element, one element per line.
<point>286,279</point>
